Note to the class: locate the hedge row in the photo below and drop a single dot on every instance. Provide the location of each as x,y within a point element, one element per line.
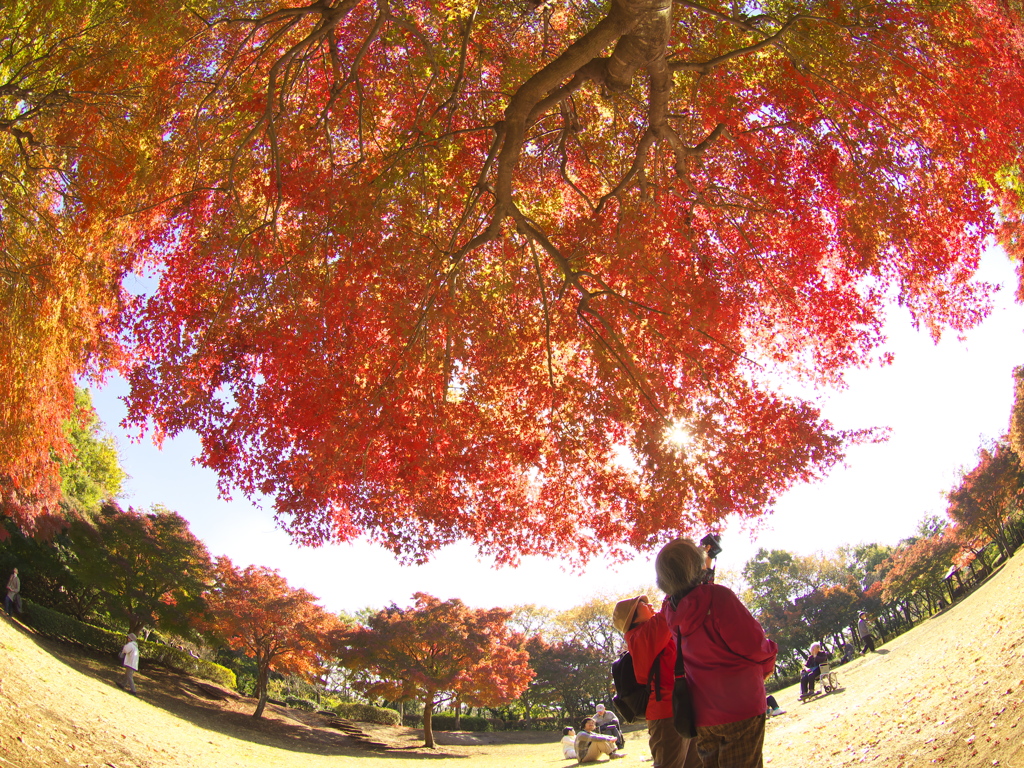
<point>297,702</point>
<point>538,724</point>
<point>447,723</point>
<point>67,629</point>
<point>367,713</point>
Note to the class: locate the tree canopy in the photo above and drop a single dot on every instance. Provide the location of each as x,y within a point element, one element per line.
<point>145,568</point>
<point>989,493</point>
<point>453,269</point>
<point>436,651</point>
<point>278,626</point>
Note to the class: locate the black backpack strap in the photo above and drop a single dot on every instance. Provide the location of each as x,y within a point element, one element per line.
<point>654,676</point>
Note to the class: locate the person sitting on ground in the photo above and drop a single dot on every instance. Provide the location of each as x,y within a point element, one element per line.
<point>848,652</point>
<point>569,742</point>
<point>608,724</point>
<point>590,744</point>
<point>773,706</point>
<point>812,669</point>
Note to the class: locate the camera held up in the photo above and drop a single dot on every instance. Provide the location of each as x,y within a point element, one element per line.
<point>713,544</point>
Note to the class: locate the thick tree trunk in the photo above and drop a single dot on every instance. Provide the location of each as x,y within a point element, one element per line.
<point>645,45</point>
<point>458,715</point>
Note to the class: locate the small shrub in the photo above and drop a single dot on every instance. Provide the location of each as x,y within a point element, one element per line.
<point>778,682</point>
<point>64,628</point>
<point>246,684</point>
<point>367,713</point>
<point>297,702</point>
<point>180,661</point>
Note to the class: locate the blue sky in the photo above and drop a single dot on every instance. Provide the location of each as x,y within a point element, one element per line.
<point>940,401</point>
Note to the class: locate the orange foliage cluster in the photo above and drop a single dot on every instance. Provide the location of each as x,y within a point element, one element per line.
<point>281,628</point>
<point>438,651</point>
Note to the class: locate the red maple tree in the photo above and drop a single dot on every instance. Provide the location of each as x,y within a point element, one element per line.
<point>428,286</point>
<point>989,494</point>
<point>438,651</point>
<point>447,269</point>
<point>918,568</point>
<point>278,626</point>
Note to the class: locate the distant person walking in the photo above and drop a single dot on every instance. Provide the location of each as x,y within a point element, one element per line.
<point>130,654</point>
<point>864,630</point>
<point>13,598</point>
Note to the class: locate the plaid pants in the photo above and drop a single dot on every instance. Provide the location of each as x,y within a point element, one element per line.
<point>668,748</point>
<point>733,745</point>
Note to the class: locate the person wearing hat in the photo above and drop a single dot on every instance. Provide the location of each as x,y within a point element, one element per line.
<point>650,643</point>
<point>864,630</point>
<point>130,654</point>
<point>608,723</point>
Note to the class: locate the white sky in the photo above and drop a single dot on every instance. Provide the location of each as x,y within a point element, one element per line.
<point>940,401</point>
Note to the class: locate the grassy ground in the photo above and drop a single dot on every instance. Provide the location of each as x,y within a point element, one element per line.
<point>947,693</point>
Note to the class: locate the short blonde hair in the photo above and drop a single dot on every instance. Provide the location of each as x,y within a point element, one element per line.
<point>679,566</point>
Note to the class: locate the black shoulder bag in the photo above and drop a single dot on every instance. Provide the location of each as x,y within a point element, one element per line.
<point>682,702</point>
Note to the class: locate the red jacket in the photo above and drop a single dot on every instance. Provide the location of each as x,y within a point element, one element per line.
<point>726,654</point>
<point>645,641</point>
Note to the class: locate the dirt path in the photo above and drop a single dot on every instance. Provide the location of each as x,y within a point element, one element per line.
<point>949,692</point>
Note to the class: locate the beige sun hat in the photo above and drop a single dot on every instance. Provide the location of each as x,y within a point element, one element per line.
<point>625,610</point>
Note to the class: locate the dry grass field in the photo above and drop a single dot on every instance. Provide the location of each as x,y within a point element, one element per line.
<point>947,693</point>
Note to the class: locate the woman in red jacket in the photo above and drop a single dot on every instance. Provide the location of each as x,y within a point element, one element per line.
<point>726,656</point>
<point>650,642</point>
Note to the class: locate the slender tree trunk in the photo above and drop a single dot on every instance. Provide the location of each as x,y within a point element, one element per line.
<point>458,715</point>
<point>262,676</point>
<point>428,715</point>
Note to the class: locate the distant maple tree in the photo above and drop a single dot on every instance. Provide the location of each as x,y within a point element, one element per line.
<point>142,568</point>
<point>570,677</point>
<point>989,494</point>
<point>279,627</point>
<point>918,569</point>
<point>438,651</point>
<point>453,269</point>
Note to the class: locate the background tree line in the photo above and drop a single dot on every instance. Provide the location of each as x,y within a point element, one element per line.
<point>528,666</point>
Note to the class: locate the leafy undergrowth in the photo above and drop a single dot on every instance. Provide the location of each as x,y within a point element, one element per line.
<point>947,693</point>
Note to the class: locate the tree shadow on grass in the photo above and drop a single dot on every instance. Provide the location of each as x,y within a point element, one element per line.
<point>183,697</point>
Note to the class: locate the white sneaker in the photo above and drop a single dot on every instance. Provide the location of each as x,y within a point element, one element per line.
<point>776,711</point>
